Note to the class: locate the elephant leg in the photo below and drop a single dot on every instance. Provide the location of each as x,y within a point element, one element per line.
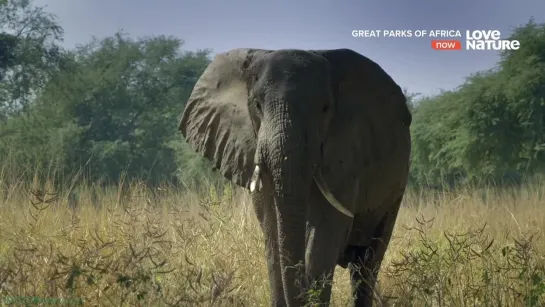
<point>266,214</point>
<point>327,232</point>
<point>361,276</point>
<point>366,260</point>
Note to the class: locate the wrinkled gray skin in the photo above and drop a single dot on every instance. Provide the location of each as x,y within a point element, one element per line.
<point>329,132</point>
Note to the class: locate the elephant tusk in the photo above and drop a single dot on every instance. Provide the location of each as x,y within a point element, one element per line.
<point>320,182</point>
<point>256,180</point>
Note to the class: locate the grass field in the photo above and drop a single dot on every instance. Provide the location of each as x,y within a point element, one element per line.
<point>127,246</point>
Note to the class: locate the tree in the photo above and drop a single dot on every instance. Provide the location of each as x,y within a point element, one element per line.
<point>412,99</point>
<point>113,110</point>
<point>126,96</point>
<point>29,52</point>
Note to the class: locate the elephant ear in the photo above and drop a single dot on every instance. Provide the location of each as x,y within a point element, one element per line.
<point>216,122</point>
<point>370,124</point>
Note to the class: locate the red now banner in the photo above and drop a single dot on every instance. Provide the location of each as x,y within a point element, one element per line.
<point>441,44</point>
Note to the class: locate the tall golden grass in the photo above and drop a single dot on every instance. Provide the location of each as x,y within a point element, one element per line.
<point>131,245</point>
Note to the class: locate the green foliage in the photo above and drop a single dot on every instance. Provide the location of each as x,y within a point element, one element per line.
<point>492,127</point>
<point>113,109</point>
<point>29,52</point>
<point>8,44</point>
<point>128,95</point>
<point>193,171</point>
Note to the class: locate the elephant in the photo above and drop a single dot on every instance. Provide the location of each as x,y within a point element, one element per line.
<point>321,140</point>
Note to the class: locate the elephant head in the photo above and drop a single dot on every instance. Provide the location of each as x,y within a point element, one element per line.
<point>283,114</point>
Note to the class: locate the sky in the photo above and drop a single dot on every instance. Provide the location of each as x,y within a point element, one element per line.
<point>222,25</point>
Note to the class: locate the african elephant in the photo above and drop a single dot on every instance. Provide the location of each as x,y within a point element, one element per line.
<point>321,139</point>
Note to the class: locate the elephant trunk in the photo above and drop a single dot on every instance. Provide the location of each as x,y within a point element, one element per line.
<point>291,169</point>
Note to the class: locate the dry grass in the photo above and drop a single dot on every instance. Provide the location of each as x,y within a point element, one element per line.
<point>131,247</point>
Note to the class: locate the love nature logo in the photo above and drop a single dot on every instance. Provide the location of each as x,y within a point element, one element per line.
<point>479,40</point>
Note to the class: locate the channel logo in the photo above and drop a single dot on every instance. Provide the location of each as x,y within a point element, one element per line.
<point>446,44</point>
<point>478,40</point>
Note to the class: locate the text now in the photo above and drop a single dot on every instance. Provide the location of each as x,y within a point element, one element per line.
<point>446,44</point>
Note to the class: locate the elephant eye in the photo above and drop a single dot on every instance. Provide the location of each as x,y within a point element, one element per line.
<point>254,101</point>
<point>325,108</point>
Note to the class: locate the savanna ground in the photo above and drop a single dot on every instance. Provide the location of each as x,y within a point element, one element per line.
<point>131,245</point>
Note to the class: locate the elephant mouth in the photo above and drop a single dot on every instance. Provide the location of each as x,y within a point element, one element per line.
<point>256,185</point>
